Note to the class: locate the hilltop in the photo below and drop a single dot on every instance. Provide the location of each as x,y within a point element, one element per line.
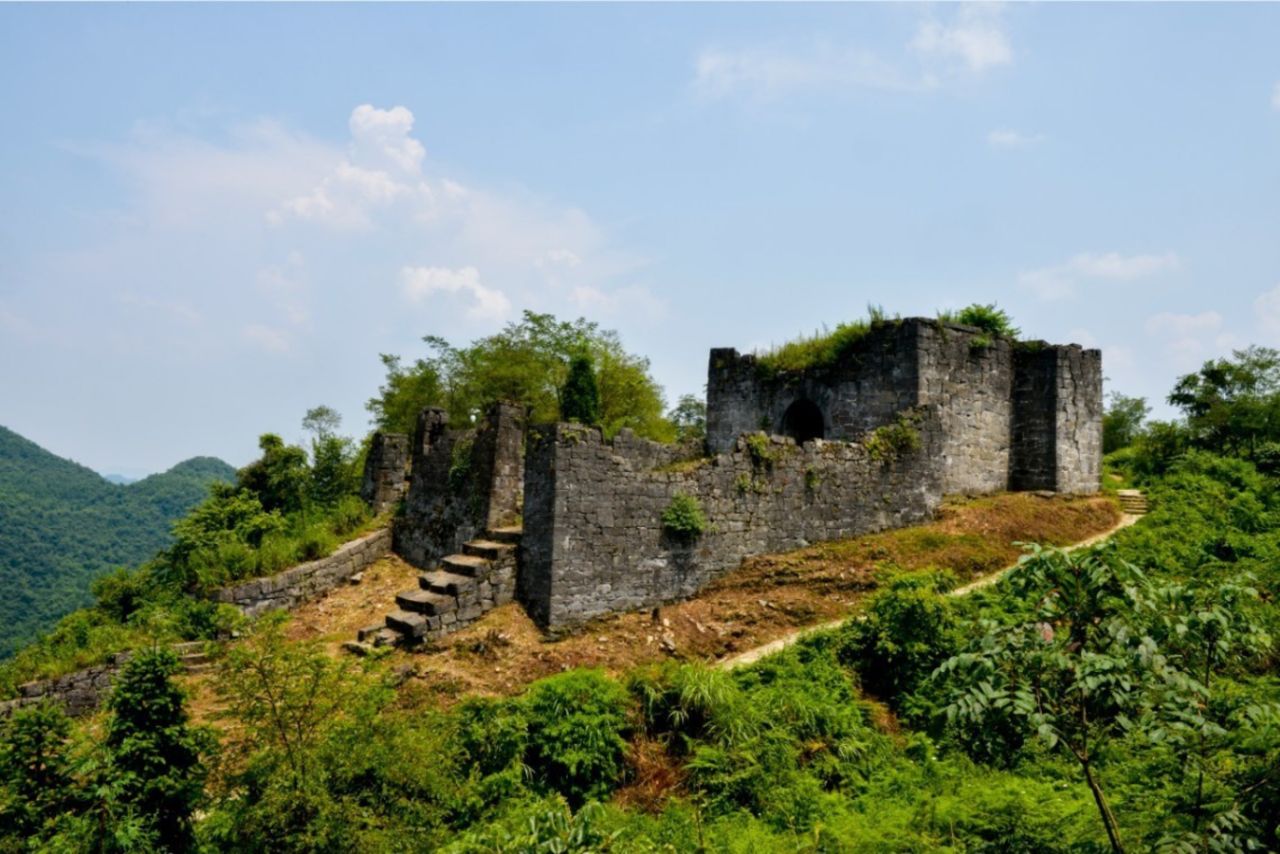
<point>62,525</point>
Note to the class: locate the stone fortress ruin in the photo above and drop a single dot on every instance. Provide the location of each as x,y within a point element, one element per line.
<point>570,524</point>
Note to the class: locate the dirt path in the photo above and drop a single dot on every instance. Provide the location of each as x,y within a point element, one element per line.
<point>753,655</point>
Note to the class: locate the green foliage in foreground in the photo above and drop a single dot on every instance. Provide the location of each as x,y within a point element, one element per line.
<point>62,525</point>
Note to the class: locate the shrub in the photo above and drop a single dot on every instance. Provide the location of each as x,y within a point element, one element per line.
<point>683,517</point>
<point>577,729</point>
<point>907,630</point>
<point>890,440</point>
<point>316,540</point>
<point>349,515</point>
<point>993,321</point>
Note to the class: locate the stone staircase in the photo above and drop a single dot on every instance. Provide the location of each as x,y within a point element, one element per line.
<point>464,587</point>
<point>1132,502</point>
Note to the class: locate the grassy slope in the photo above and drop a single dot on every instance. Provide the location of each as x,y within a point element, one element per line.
<point>62,525</point>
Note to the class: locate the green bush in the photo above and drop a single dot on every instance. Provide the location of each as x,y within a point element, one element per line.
<point>993,321</point>
<point>906,631</point>
<point>889,441</point>
<point>683,517</point>
<point>349,515</point>
<point>316,540</point>
<point>577,734</point>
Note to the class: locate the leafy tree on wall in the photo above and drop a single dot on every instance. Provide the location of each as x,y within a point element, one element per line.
<point>528,363</point>
<point>580,397</point>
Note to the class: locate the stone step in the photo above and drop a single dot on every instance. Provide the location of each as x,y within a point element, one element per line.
<point>192,659</point>
<point>424,602</point>
<point>447,583</point>
<point>359,648</point>
<point>386,637</point>
<point>510,534</point>
<point>407,623</point>
<point>367,633</point>
<point>488,549</point>
<point>468,565</point>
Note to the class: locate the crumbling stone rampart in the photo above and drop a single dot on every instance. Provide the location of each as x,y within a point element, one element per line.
<point>286,590</point>
<point>386,471</point>
<point>463,482</point>
<point>594,541</point>
<point>1021,416</point>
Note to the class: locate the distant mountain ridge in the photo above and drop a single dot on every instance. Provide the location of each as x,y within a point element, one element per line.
<point>62,525</point>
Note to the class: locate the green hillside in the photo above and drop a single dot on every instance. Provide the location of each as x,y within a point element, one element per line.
<point>62,524</point>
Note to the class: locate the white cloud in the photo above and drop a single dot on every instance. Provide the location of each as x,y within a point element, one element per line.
<point>558,258</point>
<point>419,283</point>
<point>1059,282</point>
<point>1005,138</point>
<point>971,42</point>
<point>1267,309</point>
<point>1188,339</point>
<point>771,72</point>
<point>383,165</point>
<point>975,38</point>
<point>268,338</point>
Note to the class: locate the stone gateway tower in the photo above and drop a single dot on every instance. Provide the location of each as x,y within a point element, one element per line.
<point>1014,415</point>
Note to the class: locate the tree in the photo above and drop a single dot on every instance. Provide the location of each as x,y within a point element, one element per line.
<point>1122,421</point>
<point>526,363</point>
<point>35,768</point>
<point>152,753</point>
<point>1072,670</point>
<point>333,474</point>
<point>279,477</point>
<point>285,694</point>
<point>689,418</point>
<point>406,392</point>
<point>1233,404</point>
<point>321,421</point>
<point>580,397</point>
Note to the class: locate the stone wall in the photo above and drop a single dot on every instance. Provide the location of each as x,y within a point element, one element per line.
<point>1078,429</point>
<point>874,381</point>
<point>1008,419</point>
<point>386,471</point>
<point>463,482</point>
<point>593,537</point>
<point>286,590</point>
<point>79,693</point>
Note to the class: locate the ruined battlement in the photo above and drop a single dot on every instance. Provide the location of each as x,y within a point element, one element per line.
<point>1024,415</point>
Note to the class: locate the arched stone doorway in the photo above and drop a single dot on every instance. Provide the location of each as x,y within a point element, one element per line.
<point>803,421</point>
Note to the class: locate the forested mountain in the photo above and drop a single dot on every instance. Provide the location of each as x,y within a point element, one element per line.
<point>62,524</point>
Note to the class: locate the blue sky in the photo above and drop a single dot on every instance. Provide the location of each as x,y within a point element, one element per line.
<point>214,217</point>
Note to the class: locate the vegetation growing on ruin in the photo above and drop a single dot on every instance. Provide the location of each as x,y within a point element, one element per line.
<point>890,441</point>
<point>992,321</point>
<point>684,517</point>
<point>527,363</point>
<point>820,349</point>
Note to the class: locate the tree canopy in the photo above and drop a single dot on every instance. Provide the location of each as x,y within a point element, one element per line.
<point>526,363</point>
